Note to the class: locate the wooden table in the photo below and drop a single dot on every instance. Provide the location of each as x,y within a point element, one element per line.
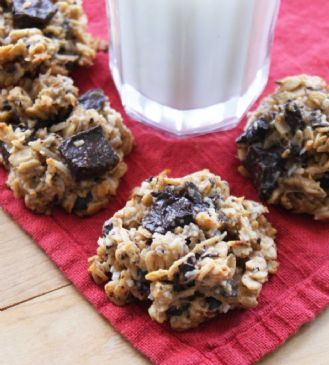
<point>44,320</point>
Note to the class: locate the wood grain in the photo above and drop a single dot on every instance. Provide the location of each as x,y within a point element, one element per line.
<point>46,323</point>
<point>61,328</point>
<point>25,271</point>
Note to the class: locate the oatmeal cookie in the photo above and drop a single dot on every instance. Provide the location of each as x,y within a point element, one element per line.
<point>285,146</point>
<point>37,36</point>
<point>61,149</point>
<point>189,247</point>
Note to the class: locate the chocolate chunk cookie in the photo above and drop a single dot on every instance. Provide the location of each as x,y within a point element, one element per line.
<point>189,247</point>
<point>59,153</point>
<point>285,146</point>
<point>39,36</point>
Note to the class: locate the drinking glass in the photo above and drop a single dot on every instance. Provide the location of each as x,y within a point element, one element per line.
<point>190,66</point>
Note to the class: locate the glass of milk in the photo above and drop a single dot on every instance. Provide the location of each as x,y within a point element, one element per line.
<point>190,66</point>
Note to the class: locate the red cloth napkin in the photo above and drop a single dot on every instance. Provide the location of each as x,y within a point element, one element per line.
<point>292,297</point>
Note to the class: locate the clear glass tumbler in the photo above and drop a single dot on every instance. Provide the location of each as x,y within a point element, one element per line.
<point>190,66</point>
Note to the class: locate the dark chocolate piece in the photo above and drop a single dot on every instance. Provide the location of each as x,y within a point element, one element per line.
<point>6,107</point>
<point>5,154</point>
<point>189,265</point>
<point>9,67</point>
<point>173,207</point>
<point>88,154</point>
<point>316,119</point>
<point>324,182</point>
<point>296,154</point>
<point>93,99</point>
<point>81,203</point>
<point>32,13</point>
<point>174,311</point>
<point>293,116</point>
<point>107,228</point>
<point>232,292</point>
<point>61,116</point>
<point>213,303</point>
<point>210,255</point>
<point>256,132</point>
<point>265,167</point>
<point>143,287</point>
<point>192,193</point>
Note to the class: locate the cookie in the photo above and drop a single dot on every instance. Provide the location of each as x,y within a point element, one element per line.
<point>285,146</point>
<point>189,247</point>
<point>39,36</point>
<point>61,150</point>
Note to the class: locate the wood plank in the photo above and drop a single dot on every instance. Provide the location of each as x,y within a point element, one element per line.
<point>61,328</point>
<point>25,271</point>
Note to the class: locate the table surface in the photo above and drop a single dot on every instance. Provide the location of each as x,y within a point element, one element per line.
<point>44,320</point>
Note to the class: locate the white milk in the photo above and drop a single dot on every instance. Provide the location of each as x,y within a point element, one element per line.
<point>190,66</point>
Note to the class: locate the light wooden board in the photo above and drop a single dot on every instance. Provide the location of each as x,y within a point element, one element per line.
<point>45,320</point>
<point>61,328</point>
<point>25,271</point>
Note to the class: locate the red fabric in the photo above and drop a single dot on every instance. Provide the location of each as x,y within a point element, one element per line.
<point>292,297</point>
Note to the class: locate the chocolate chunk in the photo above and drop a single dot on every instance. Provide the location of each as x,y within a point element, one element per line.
<point>168,212</point>
<point>192,193</point>
<point>210,255</point>
<point>143,287</point>
<point>296,154</point>
<point>324,182</point>
<point>187,266</point>
<point>184,268</point>
<point>174,207</point>
<point>213,303</point>
<point>140,273</point>
<point>231,291</point>
<point>179,213</point>
<point>81,203</point>
<point>88,154</point>
<point>107,227</point>
<point>317,120</point>
<point>93,99</point>
<point>256,132</point>
<point>188,241</point>
<point>174,311</point>
<point>5,154</point>
<point>3,4</point>
<point>9,67</point>
<point>240,262</point>
<point>181,283</point>
<point>181,287</point>
<point>265,167</point>
<point>6,107</point>
<point>293,116</point>
<point>231,236</point>
<point>33,13</point>
<point>198,255</point>
<point>61,116</point>
<point>67,27</point>
<point>14,120</point>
